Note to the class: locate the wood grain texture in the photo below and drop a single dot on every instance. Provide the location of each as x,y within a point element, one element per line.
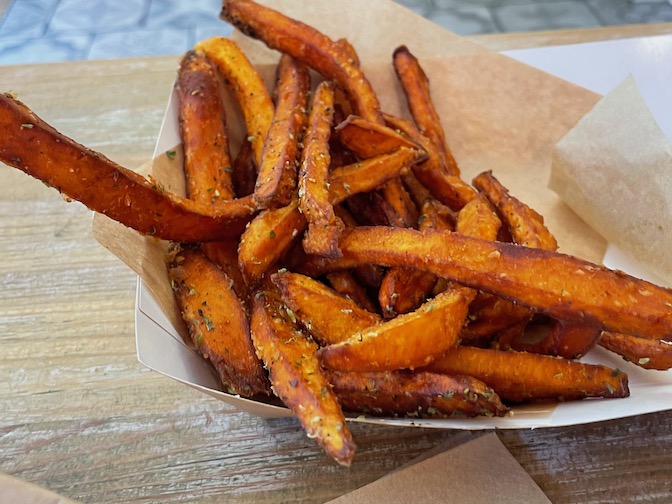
<point>80,415</point>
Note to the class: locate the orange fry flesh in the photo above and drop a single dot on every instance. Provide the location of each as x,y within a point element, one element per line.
<point>573,289</point>
<point>202,120</point>
<point>308,45</point>
<point>419,394</point>
<point>408,341</point>
<point>277,174</point>
<point>330,317</point>
<point>217,321</point>
<point>296,376</point>
<point>34,147</point>
<point>369,139</point>
<point>415,84</point>
<point>645,353</point>
<point>324,227</point>
<point>522,376</point>
<point>247,87</point>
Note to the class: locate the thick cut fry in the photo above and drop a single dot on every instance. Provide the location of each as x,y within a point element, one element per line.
<point>415,84</point>
<point>324,227</point>
<point>270,234</point>
<point>478,218</point>
<point>224,253</point>
<point>202,121</point>
<point>244,170</point>
<point>525,225</point>
<point>277,174</point>
<point>573,289</point>
<point>328,316</point>
<point>403,290</point>
<point>646,353</point>
<point>296,376</point>
<point>408,341</point>
<point>419,394</point>
<point>217,321</point>
<point>370,139</point>
<point>306,44</point>
<point>247,87</point>
<point>521,376</point>
<point>34,147</point>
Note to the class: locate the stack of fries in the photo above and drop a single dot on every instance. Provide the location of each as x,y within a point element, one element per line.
<point>339,261</point>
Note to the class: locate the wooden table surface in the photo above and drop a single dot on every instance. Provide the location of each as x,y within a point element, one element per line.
<point>80,416</point>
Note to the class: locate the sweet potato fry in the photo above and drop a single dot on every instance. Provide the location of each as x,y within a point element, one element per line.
<point>244,170</point>
<point>202,121</point>
<point>415,84</point>
<point>247,87</point>
<point>308,45</point>
<point>328,316</point>
<point>34,147</point>
<point>403,290</point>
<point>370,139</point>
<point>645,353</point>
<point>478,218</point>
<point>270,234</point>
<point>296,376</point>
<point>277,174</point>
<point>573,289</point>
<point>525,225</point>
<point>408,341</point>
<point>217,321</point>
<point>522,376</point>
<point>419,394</point>
<point>324,227</point>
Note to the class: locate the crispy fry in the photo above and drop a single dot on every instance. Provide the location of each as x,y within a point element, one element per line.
<point>573,289</point>
<point>403,290</point>
<point>324,227</point>
<point>370,139</point>
<point>406,342</point>
<point>217,321</point>
<point>244,170</point>
<point>244,82</point>
<point>415,84</point>
<point>202,121</point>
<point>271,233</point>
<point>309,46</point>
<point>525,225</point>
<point>478,218</point>
<point>224,253</point>
<point>296,376</point>
<point>646,353</point>
<point>419,394</point>
<point>521,376</point>
<point>277,174</point>
<point>330,317</point>
<point>34,147</point>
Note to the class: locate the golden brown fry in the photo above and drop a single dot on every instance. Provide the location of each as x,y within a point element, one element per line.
<point>224,253</point>
<point>478,218</point>
<point>277,174</point>
<point>296,376</point>
<point>202,121</point>
<point>525,225</point>
<point>34,147</point>
<point>328,316</point>
<point>370,139</point>
<point>324,227</point>
<point>408,341</point>
<point>217,321</point>
<point>522,376</point>
<point>309,46</point>
<point>247,87</point>
<point>646,353</point>
<point>403,290</point>
<point>419,394</point>
<point>270,234</point>
<point>244,170</point>
<point>415,84</point>
<point>573,289</point>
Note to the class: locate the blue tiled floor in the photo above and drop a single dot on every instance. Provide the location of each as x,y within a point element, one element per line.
<point>57,30</point>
